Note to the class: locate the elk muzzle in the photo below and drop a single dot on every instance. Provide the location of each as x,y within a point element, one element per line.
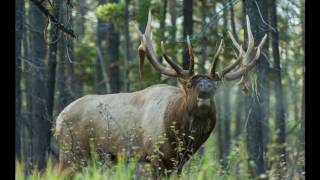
<point>205,91</point>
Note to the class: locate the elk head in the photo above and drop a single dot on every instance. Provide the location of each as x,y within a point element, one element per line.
<point>200,87</point>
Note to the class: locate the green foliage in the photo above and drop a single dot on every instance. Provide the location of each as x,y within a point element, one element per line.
<point>151,76</point>
<point>86,56</point>
<point>142,12</point>
<point>50,173</point>
<point>111,12</point>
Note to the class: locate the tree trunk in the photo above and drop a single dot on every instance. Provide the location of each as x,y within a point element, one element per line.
<point>62,86</point>
<point>40,133</point>
<point>239,114</point>
<point>232,21</point>
<point>72,85</point>
<point>226,99</point>
<point>161,31</point>
<point>61,80</point>
<point>257,114</point>
<point>27,115</point>
<point>280,118</point>
<point>81,22</point>
<point>303,89</point>
<point>219,127</point>
<point>203,58</point>
<point>163,18</point>
<point>303,81</point>
<point>54,33</point>
<point>239,101</point>
<point>113,56</point>
<point>101,35</point>
<point>226,124</point>
<point>19,29</point>
<point>203,50</point>
<point>127,47</point>
<point>266,84</point>
<point>173,13</point>
<point>187,29</point>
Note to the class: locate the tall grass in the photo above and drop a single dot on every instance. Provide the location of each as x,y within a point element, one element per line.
<point>199,167</point>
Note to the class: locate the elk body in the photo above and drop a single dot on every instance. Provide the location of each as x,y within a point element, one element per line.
<point>163,125</point>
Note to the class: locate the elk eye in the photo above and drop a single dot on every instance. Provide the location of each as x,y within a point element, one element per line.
<point>189,85</point>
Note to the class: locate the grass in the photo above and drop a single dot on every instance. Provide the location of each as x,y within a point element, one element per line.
<point>206,166</point>
<point>199,167</point>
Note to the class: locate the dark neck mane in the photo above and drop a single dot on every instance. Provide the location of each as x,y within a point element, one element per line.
<point>183,115</point>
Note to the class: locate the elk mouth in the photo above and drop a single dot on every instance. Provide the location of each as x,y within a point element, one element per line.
<point>203,101</point>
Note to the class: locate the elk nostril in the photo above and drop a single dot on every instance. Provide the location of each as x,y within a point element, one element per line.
<point>201,86</point>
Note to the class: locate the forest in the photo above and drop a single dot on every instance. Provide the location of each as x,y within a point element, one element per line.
<point>66,49</point>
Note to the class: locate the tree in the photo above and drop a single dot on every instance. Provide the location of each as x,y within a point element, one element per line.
<point>203,36</point>
<point>257,114</point>
<point>203,50</point>
<point>80,20</point>
<point>63,95</point>
<point>173,29</point>
<point>226,98</point>
<point>27,73</point>
<point>280,117</point>
<point>101,33</point>
<point>219,127</point>
<point>113,55</point>
<point>226,124</point>
<point>18,101</point>
<point>162,26</point>
<point>127,55</point>
<point>40,132</point>
<point>302,130</point>
<point>72,85</point>
<point>54,33</point>
<point>187,29</point>
<point>303,82</point>
<point>232,21</point>
<point>239,99</point>
<point>61,77</point>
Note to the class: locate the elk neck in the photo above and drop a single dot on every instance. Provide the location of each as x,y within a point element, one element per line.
<point>184,113</point>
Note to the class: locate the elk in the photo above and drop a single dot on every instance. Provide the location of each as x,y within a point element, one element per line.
<point>162,124</point>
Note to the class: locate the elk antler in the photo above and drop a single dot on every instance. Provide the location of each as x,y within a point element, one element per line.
<point>146,48</point>
<point>191,64</point>
<point>247,64</point>
<point>215,60</point>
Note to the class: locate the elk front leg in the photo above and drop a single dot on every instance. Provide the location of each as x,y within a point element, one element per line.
<point>66,166</point>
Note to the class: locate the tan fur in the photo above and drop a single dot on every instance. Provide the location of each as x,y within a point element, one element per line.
<point>130,123</point>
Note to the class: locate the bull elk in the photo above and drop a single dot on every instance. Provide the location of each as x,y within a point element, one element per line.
<point>162,124</point>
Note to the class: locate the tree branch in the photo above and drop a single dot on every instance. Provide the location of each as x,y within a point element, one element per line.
<point>53,19</point>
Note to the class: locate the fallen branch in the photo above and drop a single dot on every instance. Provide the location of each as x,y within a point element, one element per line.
<point>53,19</point>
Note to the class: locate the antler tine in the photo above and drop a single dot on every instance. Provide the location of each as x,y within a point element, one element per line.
<point>247,67</point>
<point>216,59</point>
<point>141,50</point>
<point>231,66</point>
<point>147,32</point>
<point>235,43</point>
<point>181,72</point>
<point>191,63</point>
<point>248,63</point>
<point>146,48</point>
<point>250,41</point>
